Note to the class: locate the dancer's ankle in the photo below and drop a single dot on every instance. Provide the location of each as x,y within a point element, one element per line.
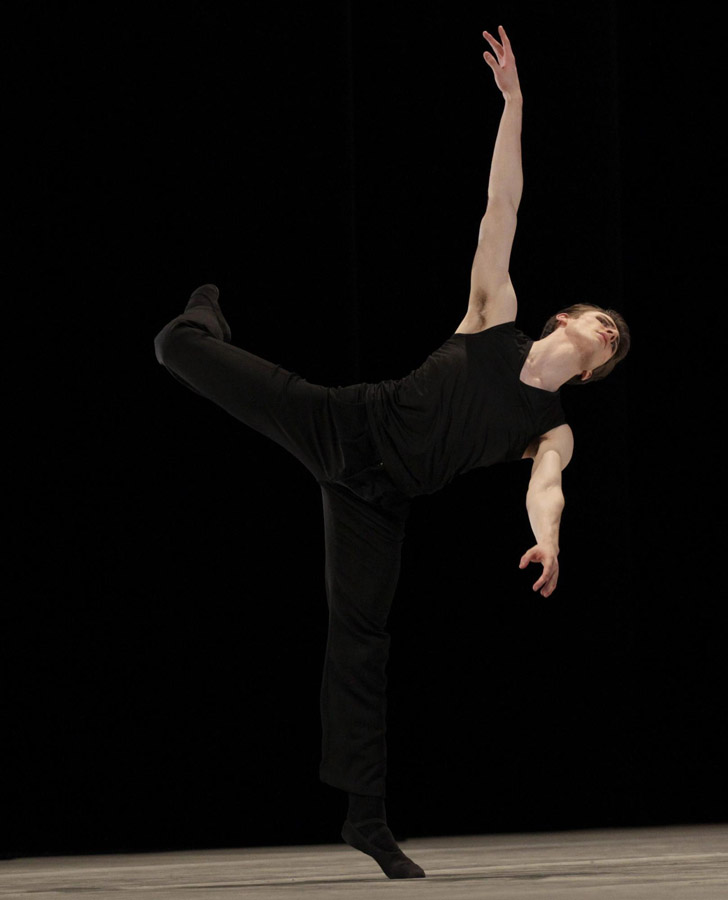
<point>363,807</point>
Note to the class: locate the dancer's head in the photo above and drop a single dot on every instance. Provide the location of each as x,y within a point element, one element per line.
<point>592,320</point>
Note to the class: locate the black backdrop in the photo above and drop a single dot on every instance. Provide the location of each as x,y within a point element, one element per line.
<point>326,165</point>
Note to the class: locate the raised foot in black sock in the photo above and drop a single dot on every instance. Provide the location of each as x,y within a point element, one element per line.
<point>206,297</point>
<point>374,838</point>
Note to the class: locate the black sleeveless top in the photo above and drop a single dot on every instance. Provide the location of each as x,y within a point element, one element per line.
<point>464,407</point>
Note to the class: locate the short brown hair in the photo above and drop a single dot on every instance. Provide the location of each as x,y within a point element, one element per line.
<point>622,347</point>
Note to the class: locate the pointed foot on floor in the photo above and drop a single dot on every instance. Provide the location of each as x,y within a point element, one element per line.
<point>377,841</point>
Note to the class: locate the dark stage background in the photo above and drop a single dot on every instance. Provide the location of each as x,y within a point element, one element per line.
<point>326,165</point>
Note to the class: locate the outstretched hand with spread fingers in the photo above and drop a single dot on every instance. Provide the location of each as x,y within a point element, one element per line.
<point>504,66</point>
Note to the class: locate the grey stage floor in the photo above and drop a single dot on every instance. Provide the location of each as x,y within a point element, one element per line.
<point>657,863</point>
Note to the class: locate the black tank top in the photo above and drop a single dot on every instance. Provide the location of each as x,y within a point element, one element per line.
<point>464,407</point>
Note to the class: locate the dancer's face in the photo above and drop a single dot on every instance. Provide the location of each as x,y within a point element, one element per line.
<point>594,334</point>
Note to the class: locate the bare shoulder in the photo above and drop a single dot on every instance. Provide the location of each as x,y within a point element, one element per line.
<point>560,439</point>
<point>488,310</point>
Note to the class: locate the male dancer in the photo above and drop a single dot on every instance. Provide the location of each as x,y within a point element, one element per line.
<point>488,395</point>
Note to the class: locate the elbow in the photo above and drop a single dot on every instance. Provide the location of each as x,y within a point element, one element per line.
<point>503,200</point>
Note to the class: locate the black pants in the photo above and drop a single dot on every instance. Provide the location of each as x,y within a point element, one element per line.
<point>364,523</point>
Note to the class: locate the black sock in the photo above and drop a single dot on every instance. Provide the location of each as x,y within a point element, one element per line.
<point>374,838</point>
<point>204,307</point>
<point>362,807</point>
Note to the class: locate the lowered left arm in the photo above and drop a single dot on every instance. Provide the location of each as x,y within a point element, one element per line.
<point>545,503</point>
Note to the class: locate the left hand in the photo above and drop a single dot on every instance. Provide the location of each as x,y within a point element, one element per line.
<point>549,559</point>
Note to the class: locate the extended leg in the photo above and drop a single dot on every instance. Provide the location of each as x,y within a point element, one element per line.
<point>283,406</point>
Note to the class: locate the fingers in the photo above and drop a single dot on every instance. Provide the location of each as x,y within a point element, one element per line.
<point>551,585</point>
<point>499,51</point>
<point>526,559</point>
<point>546,583</point>
<point>545,576</point>
<point>550,575</point>
<point>532,555</point>
<point>548,580</point>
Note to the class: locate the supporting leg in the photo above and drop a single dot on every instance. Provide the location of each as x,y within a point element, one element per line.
<point>363,552</point>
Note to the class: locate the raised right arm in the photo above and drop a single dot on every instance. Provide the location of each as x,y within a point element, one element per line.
<point>492,297</point>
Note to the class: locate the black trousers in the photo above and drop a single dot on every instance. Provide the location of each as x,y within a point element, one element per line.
<point>364,524</point>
